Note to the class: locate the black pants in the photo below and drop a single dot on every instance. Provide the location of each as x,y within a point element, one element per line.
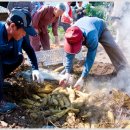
<point>6,69</point>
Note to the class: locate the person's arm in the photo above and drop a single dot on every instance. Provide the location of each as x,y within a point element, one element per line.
<point>69,62</point>
<point>55,31</point>
<point>68,67</point>
<point>30,52</point>
<point>92,49</point>
<point>36,18</point>
<point>55,27</point>
<point>36,74</point>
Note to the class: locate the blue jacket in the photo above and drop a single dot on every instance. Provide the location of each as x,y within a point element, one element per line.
<point>9,50</point>
<point>92,28</point>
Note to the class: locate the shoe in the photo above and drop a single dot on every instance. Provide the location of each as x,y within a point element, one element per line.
<point>7,107</point>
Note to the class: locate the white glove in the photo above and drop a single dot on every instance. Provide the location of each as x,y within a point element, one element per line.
<point>36,76</point>
<point>79,84</point>
<point>67,79</point>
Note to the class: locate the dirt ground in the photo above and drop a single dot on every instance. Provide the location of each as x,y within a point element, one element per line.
<point>102,70</point>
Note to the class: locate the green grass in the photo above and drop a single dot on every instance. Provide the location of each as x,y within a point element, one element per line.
<point>97,11</point>
<point>60,34</point>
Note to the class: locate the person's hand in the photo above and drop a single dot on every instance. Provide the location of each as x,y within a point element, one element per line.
<point>71,20</point>
<point>79,13</point>
<point>36,76</point>
<point>37,31</point>
<point>79,84</point>
<point>56,40</point>
<point>66,80</point>
<point>84,11</point>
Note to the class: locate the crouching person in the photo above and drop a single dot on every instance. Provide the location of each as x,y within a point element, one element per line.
<point>89,31</point>
<point>13,38</point>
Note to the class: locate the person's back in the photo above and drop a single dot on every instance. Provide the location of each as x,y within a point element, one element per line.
<point>48,16</point>
<point>89,24</point>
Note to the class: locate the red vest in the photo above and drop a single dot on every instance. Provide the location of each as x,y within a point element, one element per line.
<point>65,19</point>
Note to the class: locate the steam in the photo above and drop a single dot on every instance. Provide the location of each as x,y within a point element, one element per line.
<point>122,80</point>
<point>121,9</point>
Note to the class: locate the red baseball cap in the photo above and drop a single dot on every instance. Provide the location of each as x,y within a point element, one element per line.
<point>73,40</point>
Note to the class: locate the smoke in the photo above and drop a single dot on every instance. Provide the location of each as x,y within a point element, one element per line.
<point>121,9</point>
<point>122,80</point>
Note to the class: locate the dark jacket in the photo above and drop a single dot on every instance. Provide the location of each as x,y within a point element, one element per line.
<point>9,50</point>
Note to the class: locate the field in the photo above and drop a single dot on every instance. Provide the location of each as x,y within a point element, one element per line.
<point>100,104</point>
<point>103,102</point>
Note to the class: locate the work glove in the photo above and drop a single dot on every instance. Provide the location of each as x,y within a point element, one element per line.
<point>36,76</point>
<point>79,84</point>
<point>56,40</point>
<point>66,80</point>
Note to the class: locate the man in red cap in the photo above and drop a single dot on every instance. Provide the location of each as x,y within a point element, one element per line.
<point>89,31</point>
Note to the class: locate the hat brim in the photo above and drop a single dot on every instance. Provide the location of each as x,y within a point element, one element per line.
<point>72,48</point>
<point>30,31</point>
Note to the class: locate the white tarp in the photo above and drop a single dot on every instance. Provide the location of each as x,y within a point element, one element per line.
<point>54,56</point>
